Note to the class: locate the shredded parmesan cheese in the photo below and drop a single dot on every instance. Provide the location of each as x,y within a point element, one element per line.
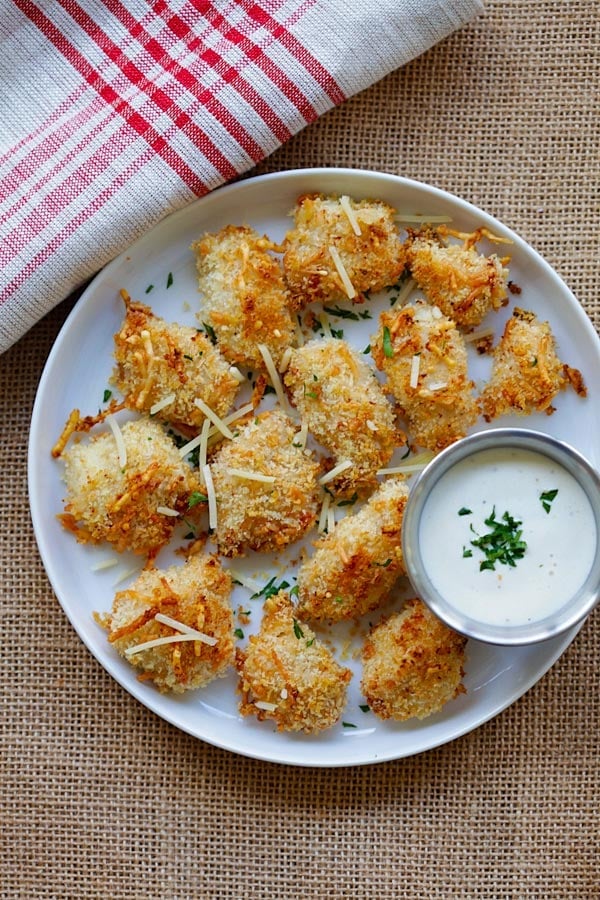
<point>212,497</point>
<point>405,291</point>
<point>437,385</point>
<point>191,445</point>
<point>171,639</point>
<point>324,513</point>
<point>415,365</point>
<point>417,463</point>
<point>283,693</point>
<point>273,375</point>
<point>118,436</point>
<point>478,335</point>
<point>285,360</point>
<point>248,583</point>
<point>371,425</point>
<point>346,206</point>
<point>166,511</point>
<point>232,417</point>
<point>251,476</point>
<point>108,563</point>
<point>325,324</point>
<point>337,470</point>
<point>264,704</point>
<point>185,629</point>
<point>235,372</point>
<point>214,418</point>
<point>330,519</point>
<point>337,259</point>
<point>160,404</point>
<point>126,574</point>
<point>202,453</point>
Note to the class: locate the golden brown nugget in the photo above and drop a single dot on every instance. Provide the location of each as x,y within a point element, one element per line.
<point>265,487</point>
<point>288,676</point>
<point>412,664</point>
<point>158,362</point>
<point>526,373</point>
<point>344,407</point>
<point>244,296</point>
<point>463,283</point>
<point>133,503</point>
<point>184,614</point>
<point>356,566</point>
<point>340,248</point>
<point>424,358</point>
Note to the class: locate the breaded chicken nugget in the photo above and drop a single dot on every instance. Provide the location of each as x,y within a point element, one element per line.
<point>158,361</point>
<point>527,373</point>
<point>265,486</point>
<point>423,356</point>
<point>412,664</point>
<point>344,406</point>
<point>464,284</point>
<point>356,566</point>
<point>133,502</point>
<point>183,619</point>
<point>339,248</point>
<point>288,675</point>
<point>245,299</point>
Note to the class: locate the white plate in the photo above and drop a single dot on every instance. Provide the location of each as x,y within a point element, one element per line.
<point>77,373</point>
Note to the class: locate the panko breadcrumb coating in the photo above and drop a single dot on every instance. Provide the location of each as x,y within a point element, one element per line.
<point>464,284</point>
<point>424,358</point>
<point>271,513</point>
<point>343,404</point>
<point>288,676</point>
<point>526,373</point>
<point>157,360</point>
<point>372,259</point>
<point>245,299</point>
<point>356,566</point>
<point>196,595</point>
<point>412,664</point>
<point>122,504</point>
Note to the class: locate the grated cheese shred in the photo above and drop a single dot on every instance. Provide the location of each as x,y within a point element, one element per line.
<point>337,259</point>
<point>347,207</point>
<point>337,470</point>
<point>118,436</point>
<point>251,476</point>
<point>160,404</point>
<point>170,639</point>
<point>415,365</point>
<point>265,705</point>
<point>273,375</point>
<point>214,418</point>
<point>166,511</point>
<point>212,497</point>
<point>185,629</point>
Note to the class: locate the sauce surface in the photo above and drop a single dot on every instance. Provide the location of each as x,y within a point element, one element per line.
<point>560,535</point>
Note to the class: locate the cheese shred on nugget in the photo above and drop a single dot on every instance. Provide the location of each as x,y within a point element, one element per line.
<point>355,567</point>
<point>288,676</point>
<point>340,248</point>
<point>344,407</point>
<point>129,487</point>
<point>424,358</point>
<point>244,296</point>
<point>526,373</point>
<point>167,367</point>
<point>265,487</point>
<point>412,664</point>
<point>175,625</point>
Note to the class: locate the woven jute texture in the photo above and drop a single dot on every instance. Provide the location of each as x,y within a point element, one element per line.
<point>102,799</point>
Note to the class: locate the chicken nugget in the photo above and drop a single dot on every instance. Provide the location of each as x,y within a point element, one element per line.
<point>526,373</point>
<point>412,664</point>
<point>265,487</point>
<point>158,362</point>
<point>343,404</point>
<point>356,566</point>
<point>134,502</point>
<point>176,624</point>
<point>340,248</point>
<point>464,284</point>
<point>289,676</point>
<point>424,358</point>
<point>244,296</point>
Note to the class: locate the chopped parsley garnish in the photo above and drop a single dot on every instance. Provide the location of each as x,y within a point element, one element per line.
<point>270,589</point>
<point>388,350</point>
<point>269,389</point>
<point>195,498</point>
<point>348,724</point>
<point>297,630</point>
<point>310,642</point>
<point>239,633</point>
<point>547,497</point>
<point>341,313</point>
<point>365,314</point>
<point>149,288</point>
<point>294,591</point>
<point>467,553</point>
<point>210,332</point>
<point>169,279</point>
<point>367,349</point>
<point>349,502</point>
<point>383,565</point>
<point>365,707</point>
<point>465,511</point>
<point>106,396</point>
<point>337,333</point>
<point>502,544</point>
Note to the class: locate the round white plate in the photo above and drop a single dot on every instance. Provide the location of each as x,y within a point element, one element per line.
<point>77,374</point>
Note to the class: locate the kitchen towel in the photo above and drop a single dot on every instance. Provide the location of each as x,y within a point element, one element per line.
<point>115,113</point>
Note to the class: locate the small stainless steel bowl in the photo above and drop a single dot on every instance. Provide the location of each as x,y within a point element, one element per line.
<point>574,609</point>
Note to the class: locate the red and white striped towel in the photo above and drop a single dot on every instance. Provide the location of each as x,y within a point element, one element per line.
<point>117,112</point>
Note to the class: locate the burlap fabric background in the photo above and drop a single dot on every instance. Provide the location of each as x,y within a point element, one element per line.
<point>102,799</point>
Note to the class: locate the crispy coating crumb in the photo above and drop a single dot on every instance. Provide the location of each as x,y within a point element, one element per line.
<point>257,515</point>
<point>121,506</point>
<point>423,355</point>
<point>343,404</point>
<point>464,284</point>
<point>156,359</point>
<point>373,259</point>
<point>245,299</point>
<point>356,566</point>
<point>527,373</point>
<point>195,594</point>
<point>412,664</point>
<point>286,668</point>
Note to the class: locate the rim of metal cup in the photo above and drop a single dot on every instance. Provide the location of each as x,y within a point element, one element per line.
<point>574,610</point>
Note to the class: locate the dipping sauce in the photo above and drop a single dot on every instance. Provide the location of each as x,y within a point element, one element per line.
<point>538,516</point>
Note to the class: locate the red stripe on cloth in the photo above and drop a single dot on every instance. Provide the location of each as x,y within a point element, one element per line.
<point>48,123</point>
<point>136,121</point>
<point>229,74</point>
<point>190,83</point>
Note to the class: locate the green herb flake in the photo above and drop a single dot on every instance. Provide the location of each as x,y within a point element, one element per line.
<point>341,313</point>
<point>365,707</point>
<point>187,356</point>
<point>294,591</point>
<point>502,544</point>
<point>349,502</point>
<point>149,288</point>
<point>367,350</point>
<point>310,642</point>
<point>270,589</point>
<point>169,279</point>
<point>465,511</point>
<point>467,553</point>
<point>210,332</point>
<point>297,630</point>
<point>388,350</point>
<point>349,725</point>
<point>383,565</point>
<point>195,498</point>
<point>239,633</point>
<point>337,333</point>
<point>547,497</point>
<point>106,395</point>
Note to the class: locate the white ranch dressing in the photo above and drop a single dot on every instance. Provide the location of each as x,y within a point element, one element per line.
<point>561,543</point>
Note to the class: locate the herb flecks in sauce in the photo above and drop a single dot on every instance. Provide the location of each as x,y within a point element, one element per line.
<point>502,544</point>
<point>547,497</point>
